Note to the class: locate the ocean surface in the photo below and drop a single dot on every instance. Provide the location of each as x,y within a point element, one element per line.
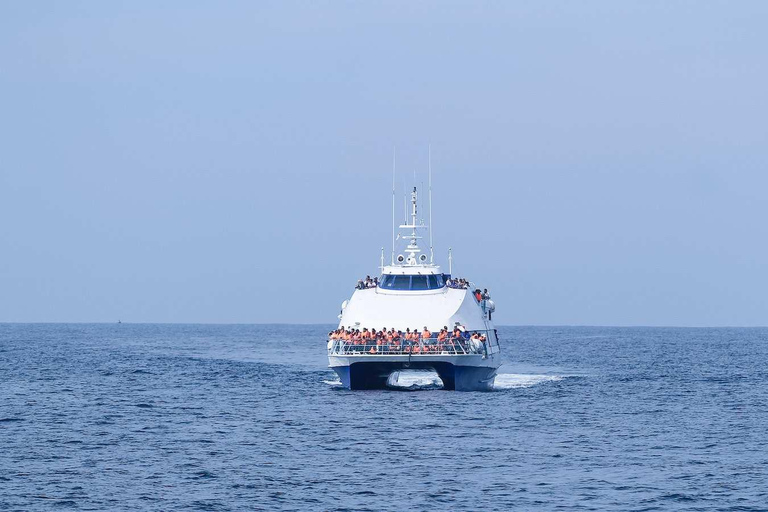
<point>235,417</point>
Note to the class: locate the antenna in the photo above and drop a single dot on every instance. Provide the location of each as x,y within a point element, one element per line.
<point>394,162</point>
<point>450,261</point>
<point>422,213</point>
<point>431,251</point>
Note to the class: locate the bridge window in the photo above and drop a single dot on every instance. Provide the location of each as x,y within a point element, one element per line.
<point>400,282</point>
<point>419,283</point>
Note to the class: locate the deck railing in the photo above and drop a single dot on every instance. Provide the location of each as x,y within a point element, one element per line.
<point>422,347</point>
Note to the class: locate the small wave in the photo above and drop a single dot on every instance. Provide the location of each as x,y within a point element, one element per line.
<point>412,380</point>
<point>336,382</point>
<point>517,380</point>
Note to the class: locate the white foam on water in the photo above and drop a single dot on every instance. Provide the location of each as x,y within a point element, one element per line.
<point>520,380</point>
<point>414,379</point>
<point>426,379</point>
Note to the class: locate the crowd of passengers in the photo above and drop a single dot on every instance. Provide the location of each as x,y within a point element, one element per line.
<point>394,341</point>
<point>457,282</point>
<point>368,282</point>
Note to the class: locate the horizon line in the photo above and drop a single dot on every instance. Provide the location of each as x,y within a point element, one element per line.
<point>617,326</point>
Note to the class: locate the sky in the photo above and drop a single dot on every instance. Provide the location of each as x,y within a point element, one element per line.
<point>594,163</point>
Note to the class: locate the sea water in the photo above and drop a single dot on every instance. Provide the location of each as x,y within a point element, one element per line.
<point>232,417</point>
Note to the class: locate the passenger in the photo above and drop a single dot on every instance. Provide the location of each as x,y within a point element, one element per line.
<point>486,295</point>
<point>474,343</point>
<point>363,340</point>
<point>444,343</point>
<point>425,334</point>
<point>457,340</point>
<point>478,295</point>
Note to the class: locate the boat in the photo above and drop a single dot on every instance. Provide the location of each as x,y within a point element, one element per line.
<point>455,335</point>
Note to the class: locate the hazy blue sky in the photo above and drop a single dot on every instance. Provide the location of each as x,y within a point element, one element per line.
<point>594,162</point>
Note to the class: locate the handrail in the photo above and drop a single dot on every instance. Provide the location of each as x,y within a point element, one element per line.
<point>450,346</point>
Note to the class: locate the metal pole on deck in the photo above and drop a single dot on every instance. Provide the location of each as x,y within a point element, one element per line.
<point>394,161</point>
<point>431,251</point>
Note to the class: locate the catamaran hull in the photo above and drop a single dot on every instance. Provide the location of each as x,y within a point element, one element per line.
<point>456,377</point>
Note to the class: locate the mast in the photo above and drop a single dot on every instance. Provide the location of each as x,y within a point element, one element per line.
<point>414,255</point>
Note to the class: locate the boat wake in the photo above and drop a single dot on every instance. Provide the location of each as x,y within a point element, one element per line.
<point>417,380</point>
<point>519,380</point>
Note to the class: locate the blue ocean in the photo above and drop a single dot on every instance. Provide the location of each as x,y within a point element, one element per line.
<point>249,417</point>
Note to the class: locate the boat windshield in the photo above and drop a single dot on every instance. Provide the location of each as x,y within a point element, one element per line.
<point>418,282</point>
